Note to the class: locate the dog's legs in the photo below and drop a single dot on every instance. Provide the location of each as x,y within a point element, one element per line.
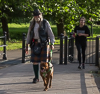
<point>44,80</point>
<point>51,76</point>
<point>47,81</point>
<point>50,81</point>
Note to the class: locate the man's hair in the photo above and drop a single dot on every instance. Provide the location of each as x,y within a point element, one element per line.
<point>33,22</point>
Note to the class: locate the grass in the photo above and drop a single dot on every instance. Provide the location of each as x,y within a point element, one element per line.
<point>18,27</point>
<point>12,45</point>
<point>96,30</point>
<point>18,45</point>
<point>24,28</point>
<point>16,31</point>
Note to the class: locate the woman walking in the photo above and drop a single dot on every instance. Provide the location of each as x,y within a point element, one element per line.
<point>81,33</point>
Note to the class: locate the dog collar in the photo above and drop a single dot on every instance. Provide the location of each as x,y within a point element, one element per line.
<point>45,73</point>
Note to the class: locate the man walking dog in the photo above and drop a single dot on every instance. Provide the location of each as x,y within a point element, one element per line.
<point>38,36</point>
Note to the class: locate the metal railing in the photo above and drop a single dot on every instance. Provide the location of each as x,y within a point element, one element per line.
<point>97,51</point>
<point>3,44</point>
<point>68,51</point>
<point>23,47</point>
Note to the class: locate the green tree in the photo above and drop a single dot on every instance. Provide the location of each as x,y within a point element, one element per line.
<point>14,10</point>
<point>64,13</point>
<point>56,10</point>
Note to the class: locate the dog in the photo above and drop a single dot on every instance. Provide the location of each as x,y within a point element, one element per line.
<point>46,72</point>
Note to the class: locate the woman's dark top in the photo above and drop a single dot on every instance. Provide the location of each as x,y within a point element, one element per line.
<point>84,30</point>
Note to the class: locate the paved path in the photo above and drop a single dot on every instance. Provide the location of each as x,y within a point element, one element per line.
<point>67,79</point>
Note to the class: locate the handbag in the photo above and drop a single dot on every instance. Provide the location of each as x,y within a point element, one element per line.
<point>37,49</point>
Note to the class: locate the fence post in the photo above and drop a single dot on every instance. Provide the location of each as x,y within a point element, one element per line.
<point>97,52</point>
<point>23,48</point>
<point>65,51</point>
<point>71,49</point>
<point>72,44</point>
<point>4,48</point>
<point>61,48</point>
<point>91,30</point>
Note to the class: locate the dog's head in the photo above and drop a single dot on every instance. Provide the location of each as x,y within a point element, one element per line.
<point>44,66</point>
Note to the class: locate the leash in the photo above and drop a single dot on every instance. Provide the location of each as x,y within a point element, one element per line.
<point>45,73</point>
<point>50,56</point>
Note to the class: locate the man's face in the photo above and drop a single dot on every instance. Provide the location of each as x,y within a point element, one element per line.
<point>37,18</point>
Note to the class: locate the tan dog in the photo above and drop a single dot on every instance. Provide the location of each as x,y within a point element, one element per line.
<point>46,72</point>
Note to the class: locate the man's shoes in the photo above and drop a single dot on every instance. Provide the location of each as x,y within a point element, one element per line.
<point>35,80</point>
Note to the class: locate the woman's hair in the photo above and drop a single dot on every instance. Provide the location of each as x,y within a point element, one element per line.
<point>82,18</point>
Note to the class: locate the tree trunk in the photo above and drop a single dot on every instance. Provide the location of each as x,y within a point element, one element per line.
<point>60,27</point>
<point>5,26</point>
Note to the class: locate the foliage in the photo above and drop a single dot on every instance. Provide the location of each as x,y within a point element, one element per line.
<point>15,9</point>
<point>68,10</point>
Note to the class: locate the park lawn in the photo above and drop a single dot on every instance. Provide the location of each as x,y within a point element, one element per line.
<point>23,28</point>
<point>18,29</point>
<point>96,30</point>
<point>12,45</point>
<point>18,45</point>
